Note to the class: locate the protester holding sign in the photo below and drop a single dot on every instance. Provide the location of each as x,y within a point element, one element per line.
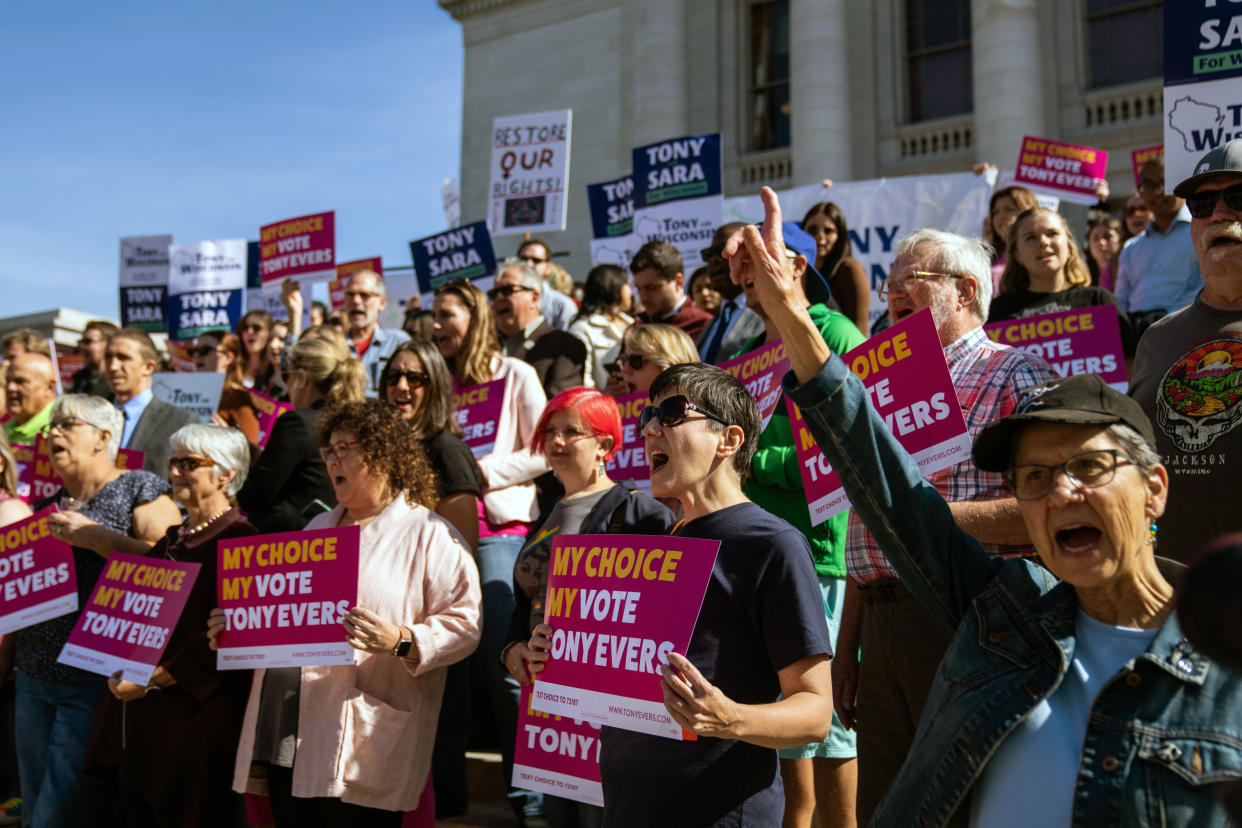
<point>364,732</point>
<point>579,431</point>
<point>466,336</point>
<point>103,509</point>
<point>168,747</point>
<point>1045,272</point>
<point>258,371</point>
<point>220,352</point>
<point>1077,702</point>
<point>289,485</point>
<point>825,222</point>
<point>603,318</point>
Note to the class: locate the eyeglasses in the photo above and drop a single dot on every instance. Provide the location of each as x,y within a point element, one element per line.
<point>901,285</point>
<point>565,435</point>
<point>1088,470</point>
<point>415,379</point>
<point>63,424</point>
<point>672,412</point>
<point>185,465</point>
<point>337,451</point>
<point>201,351</point>
<point>709,253</point>
<point>506,290</point>
<point>1201,205</point>
<point>364,295</point>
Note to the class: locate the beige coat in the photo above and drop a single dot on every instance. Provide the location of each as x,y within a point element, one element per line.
<point>365,732</point>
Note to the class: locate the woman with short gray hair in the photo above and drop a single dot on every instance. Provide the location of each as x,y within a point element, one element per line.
<point>168,746</point>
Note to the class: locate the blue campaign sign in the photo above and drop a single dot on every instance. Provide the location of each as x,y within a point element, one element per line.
<point>677,169</point>
<point>612,207</point>
<point>1202,41</point>
<point>196,312</point>
<point>143,307</point>
<point>254,281</point>
<point>453,255</point>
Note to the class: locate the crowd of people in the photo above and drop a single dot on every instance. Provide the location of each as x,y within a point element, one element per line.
<point>994,644</point>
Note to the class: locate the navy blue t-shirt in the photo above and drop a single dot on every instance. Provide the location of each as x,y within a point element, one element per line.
<point>762,612</point>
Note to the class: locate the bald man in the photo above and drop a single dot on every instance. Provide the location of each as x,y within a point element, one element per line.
<point>28,394</point>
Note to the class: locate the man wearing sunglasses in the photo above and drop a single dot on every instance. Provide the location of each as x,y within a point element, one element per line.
<point>365,296</point>
<point>555,306</point>
<point>559,358</point>
<point>755,676</point>
<point>1157,272</point>
<point>1188,369</point>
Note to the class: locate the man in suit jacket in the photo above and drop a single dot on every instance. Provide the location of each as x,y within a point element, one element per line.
<point>658,276</point>
<point>129,362</point>
<point>734,324</point>
<point>559,358</point>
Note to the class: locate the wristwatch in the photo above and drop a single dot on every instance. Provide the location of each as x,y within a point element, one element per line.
<point>403,645</point>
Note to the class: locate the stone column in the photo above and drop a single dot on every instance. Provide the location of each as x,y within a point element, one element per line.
<point>819,91</point>
<point>1011,86</point>
<point>660,101</point>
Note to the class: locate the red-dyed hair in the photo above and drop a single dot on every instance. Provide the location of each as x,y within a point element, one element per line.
<point>598,410</point>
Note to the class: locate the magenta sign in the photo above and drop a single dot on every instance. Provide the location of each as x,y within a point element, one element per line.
<point>477,410</point>
<point>1068,171</point>
<point>630,461</point>
<point>761,372</point>
<point>558,755</point>
<point>1079,341</point>
<point>38,580</point>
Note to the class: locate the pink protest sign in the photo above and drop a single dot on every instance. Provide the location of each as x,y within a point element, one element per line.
<point>1079,341</point>
<point>630,461</point>
<point>301,248</point>
<point>344,270</point>
<point>284,596</point>
<point>130,458</point>
<point>905,374</point>
<point>558,755</point>
<point>38,580</point>
<point>269,411</point>
<point>1139,157</point>
<point>761,371</point>
<point>1068,171</point>
<point>44,482</point>
<point>130,616</point>
<point>24,457</point>
<point>477,410</point>
<point>618,604</point>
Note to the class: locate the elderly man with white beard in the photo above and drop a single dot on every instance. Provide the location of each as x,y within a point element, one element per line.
<point>1188,370</point>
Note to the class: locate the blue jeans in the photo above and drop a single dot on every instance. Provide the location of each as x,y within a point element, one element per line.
<point>53,726</point>
<point>497,555</point>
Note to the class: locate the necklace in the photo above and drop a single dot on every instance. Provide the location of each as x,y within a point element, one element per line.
<point>195,530</point>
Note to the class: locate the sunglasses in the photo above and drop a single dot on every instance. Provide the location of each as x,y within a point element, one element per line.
<point>709,253</point>
<point>252,329</point>
<point>415,379</point>
<point>636,362</point>
<point>1202,204</point>
<point>671,413</point>
<point>200,351</point>
<point>185,465</point>
<point>506,290</point>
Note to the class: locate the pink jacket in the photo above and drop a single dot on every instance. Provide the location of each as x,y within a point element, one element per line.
<point>512,466</point>
<point>365,732</point>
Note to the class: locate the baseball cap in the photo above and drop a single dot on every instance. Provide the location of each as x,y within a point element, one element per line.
<point>1080,400</point>
<point>801,242</point>
<point>1227,158</point>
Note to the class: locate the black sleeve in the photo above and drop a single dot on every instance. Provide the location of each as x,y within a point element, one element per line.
<point>788,605</point>
<point>287,449</point>
<point>454,465</point>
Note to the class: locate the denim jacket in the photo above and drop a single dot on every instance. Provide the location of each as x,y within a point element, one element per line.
<point>1162,732</point>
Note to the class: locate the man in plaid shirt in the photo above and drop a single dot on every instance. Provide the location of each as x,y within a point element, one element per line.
<point>902,644</point>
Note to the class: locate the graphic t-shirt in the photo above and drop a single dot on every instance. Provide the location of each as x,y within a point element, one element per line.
<point>1188,379</point>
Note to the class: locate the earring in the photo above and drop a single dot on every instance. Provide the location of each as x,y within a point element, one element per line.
<point>1152,528</point>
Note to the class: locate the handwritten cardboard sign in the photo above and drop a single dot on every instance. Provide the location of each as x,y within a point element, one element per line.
<point>38,580</point>
<point>1079,341</point>
<point>302,248</point>
<point>908,382</point>
<point>130,616</point>
<point>1069,171</point>
<point>558,755</point>
<point>528,187</point>
<point>477,410</point>
<point>284,596</point>
<point>618,605</point>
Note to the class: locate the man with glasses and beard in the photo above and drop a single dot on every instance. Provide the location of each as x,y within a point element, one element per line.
<point>365,296</point>
<point>1188,369</point>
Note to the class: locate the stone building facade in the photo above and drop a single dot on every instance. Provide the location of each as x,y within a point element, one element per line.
<point>808,89</point>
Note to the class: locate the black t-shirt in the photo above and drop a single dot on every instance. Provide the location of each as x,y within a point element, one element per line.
<point>762,612</point>
<point>453,463</point>
<point>1026,303</point>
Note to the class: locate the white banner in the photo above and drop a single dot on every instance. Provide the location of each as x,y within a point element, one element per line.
<point>527,192</point>
<point>197,393</point>
<point>881,212</point>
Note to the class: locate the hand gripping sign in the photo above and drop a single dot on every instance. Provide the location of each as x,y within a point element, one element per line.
<point>130,616</point>
<point>302,248</point>
<point>617,605</point>
<point>558,755</point>
<point>1079,341</point>
<point>477,411</point>
<point>38,580</point>
<point>1068,171</point>
<point>908,381</point>
<point>284,596</point>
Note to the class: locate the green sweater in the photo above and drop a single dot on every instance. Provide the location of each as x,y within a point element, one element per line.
<point>775,471</point>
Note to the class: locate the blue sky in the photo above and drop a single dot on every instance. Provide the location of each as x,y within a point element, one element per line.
<point>207,120</point>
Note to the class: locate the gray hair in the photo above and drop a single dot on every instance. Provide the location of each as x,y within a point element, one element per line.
<point>527,275</point>
<point>959,256</point>
<point>226,447</point>
<point>380,287</point>
<point>1134,446</point>
<point>97,411</point>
